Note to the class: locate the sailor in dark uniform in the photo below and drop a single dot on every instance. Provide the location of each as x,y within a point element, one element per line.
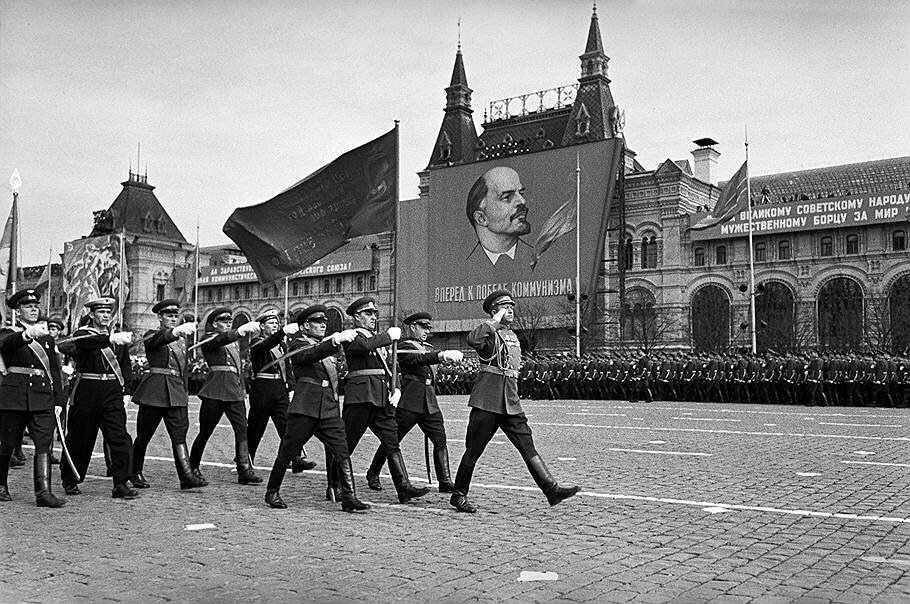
<point>269,389</point>
<point>494,404</point>
<point>162,394</point>
<point>367,403</point>
<point>314,411</point>
<point>223,392</point>
<point>104,368</point>
<point>418,406</point>
<point>30,390</point>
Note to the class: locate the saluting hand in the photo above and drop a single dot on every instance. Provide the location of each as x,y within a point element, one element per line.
<point>36,330</point>
<point>451,356</point>
<point>249,328</point>
<point>187,329</point>
<point>291,328</point>
<point>394,333</point>
<point>121,338</point>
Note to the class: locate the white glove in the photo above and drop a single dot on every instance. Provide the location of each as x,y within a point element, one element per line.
<point>127,399</point>
<point>500,314</point>
<point>395,397</point>
<point>347,335</point>
<point>291,328</point>
<point>36,330</point>
<point>121,337</point>
<point>67,369</point>
<point>248,328</point>
<point>395,333</point>
<point>187,329</point>
<point>451,356</point>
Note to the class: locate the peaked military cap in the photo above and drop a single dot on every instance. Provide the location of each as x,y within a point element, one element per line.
<point>169,305</point>
<point>418,317</point>
<point>222,312</point>
<point>269,314</point>
<point>500,296</point>
<point>103,302</point>
<point>56,322</point>
<point>365,303</point>
<point>23,296</point>
<point>316,311</point>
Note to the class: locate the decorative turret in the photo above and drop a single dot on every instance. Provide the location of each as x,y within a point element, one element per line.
<point>457,137</point>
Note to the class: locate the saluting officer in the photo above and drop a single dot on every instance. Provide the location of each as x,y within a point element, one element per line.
<point>223,392</point>
<point>162,394</point>
<point>269,390</point>
<point>314,410</point>
<point>31,388</point>
<point>418,406</point>
<point>494,404</point>
<point>104,368</point>
<point>366,393</point>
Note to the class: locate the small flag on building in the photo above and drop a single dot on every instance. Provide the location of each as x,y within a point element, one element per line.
<point>561,222</point>
<point>353,195</point>
<point>732,200</point>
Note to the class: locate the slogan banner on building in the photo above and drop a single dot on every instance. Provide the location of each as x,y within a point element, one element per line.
<point>487,217</point>
<point>333,264</point>
<point>811,214</point>
<point>91,268</point>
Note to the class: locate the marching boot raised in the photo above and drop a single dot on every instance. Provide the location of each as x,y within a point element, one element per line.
<point>375,468</point>
<point>188,478</point>
<point>43,495</point>
<point>276,477</point>
<point>301,463</point>
<point>274,499</point>
<point>406,491</point>
<point>4,474</point>
<point>443,475</point>
<point>547,483</point>
<point>460,502</point>
<point>245,473</point>
<point>349,501</point>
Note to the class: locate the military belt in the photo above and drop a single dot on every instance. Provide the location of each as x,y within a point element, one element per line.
<point>164,371</point>
<point>359,372</point>
<point>267,376</point>
<point>496,370</point>
<point>33,371</point>
<point>315,382</point>
<point>98,377</point>
<point>225,368</point>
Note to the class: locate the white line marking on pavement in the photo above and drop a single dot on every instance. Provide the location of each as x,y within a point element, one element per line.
<point>808,474</point>
<point>755,412</point>
<point>566,459</point>
<point>864,452</point>
<point>533,575</point>
<point>657,442</point>
<point>881,560</point>
<point>716,509</point>
<point>708,419</point>
<point>659,452</point>
<point>860,425</point>
<point>198,527</point>
<point>604,414</point>
<point>876,463</point>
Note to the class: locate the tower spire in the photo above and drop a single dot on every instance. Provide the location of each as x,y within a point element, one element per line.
<point>457,135</point>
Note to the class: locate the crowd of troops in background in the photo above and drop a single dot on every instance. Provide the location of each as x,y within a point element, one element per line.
<point>867,379</point>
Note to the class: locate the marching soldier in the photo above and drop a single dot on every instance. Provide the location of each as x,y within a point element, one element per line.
<point>162,394</point>
<point>223,392</point>
<point>418,406</point>
<point>314,410</point>
<point>269,390</point>
<point>494,404</point>
<point>31,388</point>
<point>103,364</point>
<point>366,393</point>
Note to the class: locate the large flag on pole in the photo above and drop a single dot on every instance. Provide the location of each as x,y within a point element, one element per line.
<point>352,196</point>
<point>732,200</point>
<point>8,261</point>
<point>561,222</point>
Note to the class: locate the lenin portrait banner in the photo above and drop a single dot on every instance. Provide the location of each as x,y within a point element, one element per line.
<point>487,221</point>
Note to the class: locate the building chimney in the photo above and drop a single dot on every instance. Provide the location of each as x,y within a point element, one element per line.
<point>705,157</point>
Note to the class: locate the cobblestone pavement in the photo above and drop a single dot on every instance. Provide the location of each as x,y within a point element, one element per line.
<point>681,502</point>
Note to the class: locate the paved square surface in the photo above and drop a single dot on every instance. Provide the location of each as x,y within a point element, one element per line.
<point>681,502</point>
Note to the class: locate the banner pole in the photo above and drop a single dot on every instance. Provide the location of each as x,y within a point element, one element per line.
<point>394,262</point>
<point>120,302</point>
<point>196,287</point>
<point>286,306</point>
<point>50,256</point>
<point>577,256</point>
<point>751,252</point>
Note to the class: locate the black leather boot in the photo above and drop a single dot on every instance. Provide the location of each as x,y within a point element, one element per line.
<point>375,468</point>
<point>443,475</point>
<point>547,483</point>
<point>460,502</point>
<point>139,481</point>
<point>300,463</point>
<point>188,479</point>
<point>43,495</point>
<point>349,501</point>
<point>17,459</point>
<point>406,491</point>
<point>333,489</point>
<point>4,475</point>
<point>274,499</point>
<point>123,491</point>
<point>136,478</point>
<point>245,473</point>
<point>197,474</point>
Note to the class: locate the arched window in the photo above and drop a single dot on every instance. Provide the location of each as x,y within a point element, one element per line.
<point>639,317</point>
<point>652,253</point>
<point>644,252</point>
<point>899,306</point>
<point>699,256</point>
<point>826,246</point>
<point>761,252</point>
<point>852,244</point>
<point>334,321</point>
<point>326,286</point>
<point>898,241</point>
<point>783,249</point>
<point>627,255</point>
<point>295,288</point>
<point>710,318</point>
<point>774,315</point>
<point>840,314</point>
<point>720,254</point>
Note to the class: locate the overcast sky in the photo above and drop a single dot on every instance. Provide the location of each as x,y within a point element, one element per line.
<point>234,101</point>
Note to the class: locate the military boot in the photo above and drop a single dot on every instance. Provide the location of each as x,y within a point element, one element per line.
<point>547,483</point>
<point>443,475</point>
<point>406,491</point>
<point>349,501</point>
<point>245,473</point>
<point>188,478</point>
<point>43,495</point>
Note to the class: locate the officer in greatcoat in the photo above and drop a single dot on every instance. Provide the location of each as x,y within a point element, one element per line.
<point>314,410</point>
<point>494,404</point>
<point>162,394</point>
<point>418,405</point>
<point>30,390</point>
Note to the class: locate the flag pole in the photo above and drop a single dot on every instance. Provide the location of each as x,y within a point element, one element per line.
<point>577,256</point>
<point>286,306</point>
<point>122,280</point>
<point>751,252</point>
<point>196,286</point>
<point>50,255</point>
<point>14,248</point>
<point>394,263</point>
